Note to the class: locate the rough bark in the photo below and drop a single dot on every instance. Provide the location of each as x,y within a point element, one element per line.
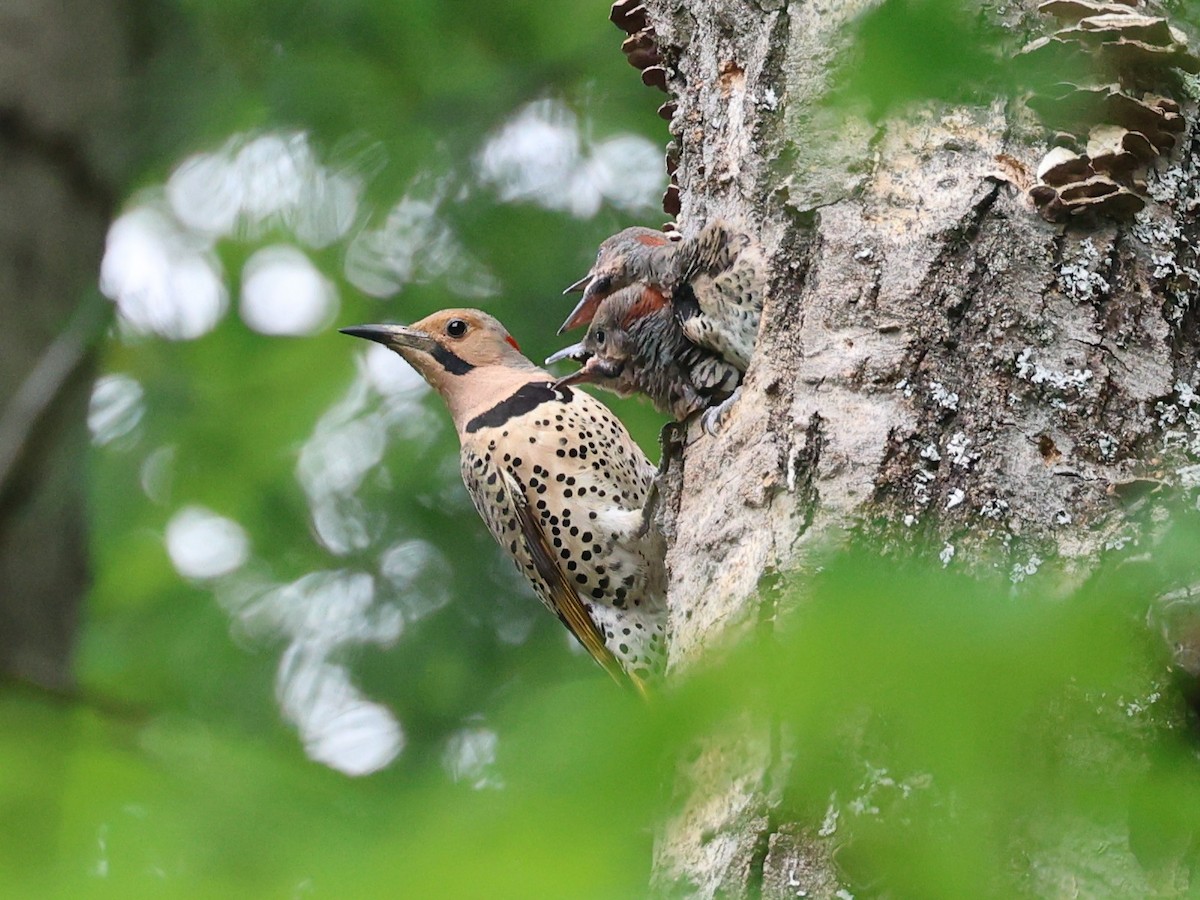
<point>937,363</point>
<point>61,69</point>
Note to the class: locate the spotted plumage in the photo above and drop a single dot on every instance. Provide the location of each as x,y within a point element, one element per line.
<point>719,293</point>
<point>557,479</point>
<point>635,344</point>
<point>715,282</point>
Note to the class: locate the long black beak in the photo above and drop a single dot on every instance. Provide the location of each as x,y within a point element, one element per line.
<point>381,334</point>
<point>394,337</point>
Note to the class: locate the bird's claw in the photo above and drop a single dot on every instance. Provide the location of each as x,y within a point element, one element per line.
<point>713,418</point>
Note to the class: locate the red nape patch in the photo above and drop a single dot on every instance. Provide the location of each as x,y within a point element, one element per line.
<point>512,340</point>
<point>651,301</point>
<point>652,240</point>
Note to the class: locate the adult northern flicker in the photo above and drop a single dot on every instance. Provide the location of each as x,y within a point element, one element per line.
<point>715,282</point>
<point>635,343</point>
<point>557,479</point>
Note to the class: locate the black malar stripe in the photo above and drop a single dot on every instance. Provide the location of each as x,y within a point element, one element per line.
<point>449,361</point>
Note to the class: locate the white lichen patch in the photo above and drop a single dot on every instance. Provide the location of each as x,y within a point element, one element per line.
<point>1167,185</point>
<point>1189,477</point>
<point>1108,446</point>
<point>1119,543</point>
<point>946,555</point>
<point>921,495</point>
<point>1058,385</point>
<point>957,496</point>
<point>956,450</point>
<point>1021,571</point>
<point>1036,373</point>
<point>879,787</point>
<point>1179,419</point>
<point>1079,278</point>
<point>1155,232</point>
<point>942,396</point>
<point>994,509</point>
<point>1139,705</point>
<point>829,822</point>
<point>1177,278</point>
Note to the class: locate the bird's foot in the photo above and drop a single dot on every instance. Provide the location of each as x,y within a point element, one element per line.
<point>713,418</point>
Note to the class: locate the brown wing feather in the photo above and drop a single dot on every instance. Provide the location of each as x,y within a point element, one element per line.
<point>563,597</point>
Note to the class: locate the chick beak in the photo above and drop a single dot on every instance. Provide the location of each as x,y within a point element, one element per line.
<point>580,285</point>
<point>582,314</point>
<point>594,370</point>
<point>575,352</point>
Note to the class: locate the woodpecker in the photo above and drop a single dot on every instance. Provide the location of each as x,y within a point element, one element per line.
<point>635,343</point>
<point>557,479</point>
<point>715,282</point>
<point>719,293</point>
<point>633,254</point>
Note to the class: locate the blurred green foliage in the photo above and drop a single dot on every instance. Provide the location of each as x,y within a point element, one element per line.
<point>906,51</point>
<point>903,54</point>
<point>955,729</point>
<point>956,739</point>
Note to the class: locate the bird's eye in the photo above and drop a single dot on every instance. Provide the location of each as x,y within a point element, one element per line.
<point>598,336</point>
<point>456,328</point>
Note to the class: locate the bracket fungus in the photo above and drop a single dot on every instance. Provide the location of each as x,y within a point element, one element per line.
<point>641,47</point>
<point>1127,129</point>
<point>1072,184</point>
<point>642,52</point>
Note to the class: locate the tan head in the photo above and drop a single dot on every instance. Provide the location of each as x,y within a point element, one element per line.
<point>466,356</point>
<point>625,257</point>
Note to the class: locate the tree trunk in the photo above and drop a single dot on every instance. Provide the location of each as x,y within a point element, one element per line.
<point>61,65</point>
<point>936,360</point>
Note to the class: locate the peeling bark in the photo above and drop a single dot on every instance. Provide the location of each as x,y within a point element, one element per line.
<point>938,366</point>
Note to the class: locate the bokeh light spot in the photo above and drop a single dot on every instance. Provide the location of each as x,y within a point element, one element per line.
<point>163,280</point>
<point>202,544</point>
<point>117,406</point>
<point>284,294</point>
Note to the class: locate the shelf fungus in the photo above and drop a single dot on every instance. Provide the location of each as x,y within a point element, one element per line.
<point>1126,129</point>
<point>1073,184</point>
<point>641,47</point>
<point>642,52</point>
